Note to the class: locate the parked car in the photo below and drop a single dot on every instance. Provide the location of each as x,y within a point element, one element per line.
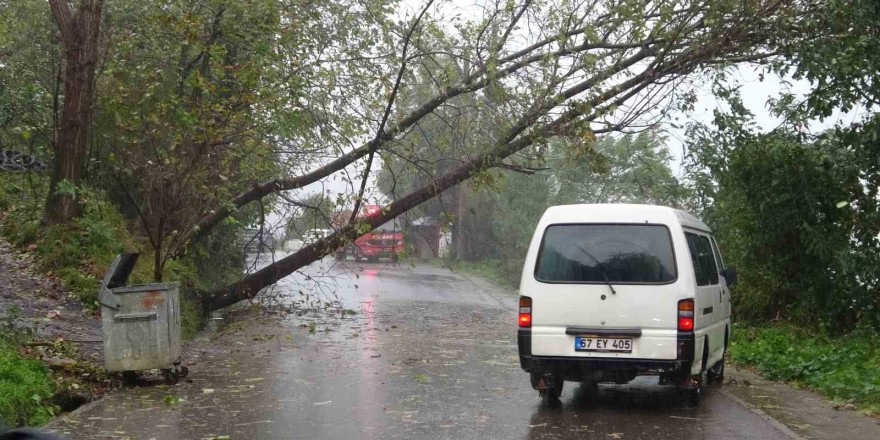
<point>610,292</point>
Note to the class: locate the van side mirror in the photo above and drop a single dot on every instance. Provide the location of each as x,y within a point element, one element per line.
<point>729,274</point>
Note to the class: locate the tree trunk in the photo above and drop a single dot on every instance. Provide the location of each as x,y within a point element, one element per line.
<point>79,36</point>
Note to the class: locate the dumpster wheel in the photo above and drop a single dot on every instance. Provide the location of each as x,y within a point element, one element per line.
<point>171,377</point>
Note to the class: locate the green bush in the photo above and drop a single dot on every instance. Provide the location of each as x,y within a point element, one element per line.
<point>26,389</point>
<point>21,206</point>
<point>191,317</point>
<point>78,253</point>
<point>840,368</point>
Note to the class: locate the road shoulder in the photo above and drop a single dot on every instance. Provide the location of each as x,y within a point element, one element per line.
<point>804,412</point>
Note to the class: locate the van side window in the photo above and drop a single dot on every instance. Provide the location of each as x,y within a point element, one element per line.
<point>717,255</point>
<point>703,259</point>
<point>700,272</point>
<point>708,259</point>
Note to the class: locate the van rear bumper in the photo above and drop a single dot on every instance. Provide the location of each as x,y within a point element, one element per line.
<point>545,364</point>
<point>572,366</point>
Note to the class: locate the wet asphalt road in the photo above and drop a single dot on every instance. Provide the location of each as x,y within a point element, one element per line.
<point>430,354</point>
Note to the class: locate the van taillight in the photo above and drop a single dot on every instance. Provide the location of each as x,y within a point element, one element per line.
<point>686,315</point>
<point>525,311</point>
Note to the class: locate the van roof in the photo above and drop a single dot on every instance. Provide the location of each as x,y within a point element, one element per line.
<point>621,213</point>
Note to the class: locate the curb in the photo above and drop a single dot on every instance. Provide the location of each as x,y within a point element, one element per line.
<point>760,413</point>
<point>478,281</point>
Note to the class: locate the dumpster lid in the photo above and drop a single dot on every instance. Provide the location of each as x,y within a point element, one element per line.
<point>116,276</point>
<point>119,271</point>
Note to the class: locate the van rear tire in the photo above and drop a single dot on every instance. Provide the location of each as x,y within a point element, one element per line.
<point>715,375</point>
<point>553,391</point>
<point>694,394</point>
<point>552,394</point>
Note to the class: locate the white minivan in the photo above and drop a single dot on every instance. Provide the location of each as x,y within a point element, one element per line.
<point>609,292</point>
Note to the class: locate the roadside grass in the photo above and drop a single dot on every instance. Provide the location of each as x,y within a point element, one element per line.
<point>489,269</point>
<point>844,369</point>
<point>26,389</point>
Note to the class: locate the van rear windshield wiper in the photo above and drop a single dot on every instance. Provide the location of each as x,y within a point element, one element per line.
<point>600,266</point>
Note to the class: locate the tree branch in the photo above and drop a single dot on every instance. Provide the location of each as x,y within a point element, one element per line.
<point>391,99</point>
<point>473,83</point>
<point>65,20</point>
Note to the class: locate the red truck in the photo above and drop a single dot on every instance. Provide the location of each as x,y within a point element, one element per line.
<point>386,241</point>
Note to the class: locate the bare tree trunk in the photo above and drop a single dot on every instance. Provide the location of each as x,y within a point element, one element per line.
<point>79,36</point>
<point>459,232</point>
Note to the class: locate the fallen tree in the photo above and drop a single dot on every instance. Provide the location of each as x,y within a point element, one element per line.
<point>603,68</point>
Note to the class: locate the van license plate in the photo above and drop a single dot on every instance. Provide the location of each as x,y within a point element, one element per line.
<point>603,344</point>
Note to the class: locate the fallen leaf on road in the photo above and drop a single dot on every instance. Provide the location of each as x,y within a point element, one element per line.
<point>422,378</point>
<point>323,403</point>
<point>53,314</point>
<point>207,390</point>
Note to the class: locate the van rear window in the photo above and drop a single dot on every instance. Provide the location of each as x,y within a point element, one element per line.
<point>594,253</point>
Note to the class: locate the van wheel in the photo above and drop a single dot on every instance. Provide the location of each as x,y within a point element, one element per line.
<point>551,394</point>
<point>694,393</point>
<point>548,386</point>
<point>715,375</point>
<point>694,396</point>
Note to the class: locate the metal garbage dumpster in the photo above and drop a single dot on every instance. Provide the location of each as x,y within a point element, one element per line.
<point>141,323</point>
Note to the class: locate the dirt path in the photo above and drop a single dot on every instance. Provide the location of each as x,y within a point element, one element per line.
<point>39,304</point>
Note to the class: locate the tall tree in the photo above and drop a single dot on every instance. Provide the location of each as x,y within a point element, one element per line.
<point>797,207</point>
<point>79,37</point>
